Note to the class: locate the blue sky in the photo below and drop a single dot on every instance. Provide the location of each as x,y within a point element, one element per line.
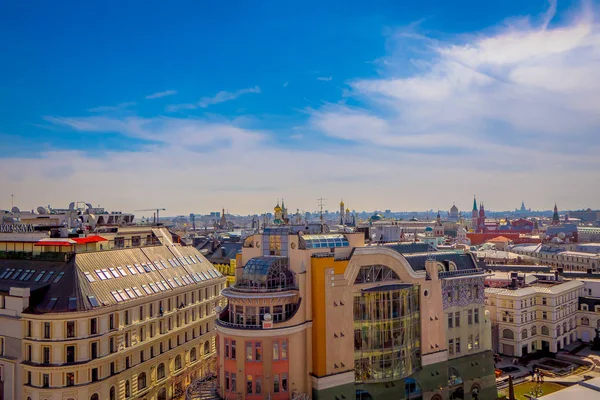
<point>397,105</point>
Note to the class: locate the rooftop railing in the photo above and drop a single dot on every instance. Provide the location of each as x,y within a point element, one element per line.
<point>463,272</point>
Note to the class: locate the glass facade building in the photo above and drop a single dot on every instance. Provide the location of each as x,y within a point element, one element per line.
<point>387,336</point>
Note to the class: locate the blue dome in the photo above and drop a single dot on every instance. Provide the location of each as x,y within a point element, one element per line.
<point>376,217</point>
<point>428,229</point>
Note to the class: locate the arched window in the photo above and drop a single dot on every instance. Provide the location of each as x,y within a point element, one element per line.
<point>524,334</point>
<point>112,393</point>
<point>193,354</point>
<point>141,381</point>
<point>508,334</point>
<point>454,377</point>
<point>160,371</point>
<point>177,363</point>
<point>533,330</point>
<point>558,330</point>
<point>375,273</point>
<point>545,330</point>
<point>94,397</point>
<point>585,321</point>
<point>206,348</point>
<point>412,389</point>
<point>162,394</point>
<point>127,389</point>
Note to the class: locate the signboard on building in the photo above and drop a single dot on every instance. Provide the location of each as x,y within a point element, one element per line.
<point>16,228</point>
<point>267,324</point>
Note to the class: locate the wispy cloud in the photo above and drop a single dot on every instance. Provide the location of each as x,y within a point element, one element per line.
<point>220,97</point>
<point>324,78</point>
<point>286,84</point>
<point>118,107</point>
<point>158,95</point>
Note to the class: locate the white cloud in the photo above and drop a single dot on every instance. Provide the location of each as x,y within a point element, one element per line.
<point>508,114</point>
<point>220,97</point>
<point>286,84</point>
<point>118,107</point>
<point>158,95</point>
<point>324,78</point>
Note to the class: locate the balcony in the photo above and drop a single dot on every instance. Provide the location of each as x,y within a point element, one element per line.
<point>229,319</point>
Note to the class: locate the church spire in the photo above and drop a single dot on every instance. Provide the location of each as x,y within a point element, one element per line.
<point>555,218</point>
<point>474,203</point>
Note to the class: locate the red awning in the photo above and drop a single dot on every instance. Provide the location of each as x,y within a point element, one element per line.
<point>89,239</point>
<point>50,243</point>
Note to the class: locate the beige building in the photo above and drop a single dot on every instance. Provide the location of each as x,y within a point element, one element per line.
<point>540,316</point>
<point>324,316</point>
<point>559,257</point>
<point>129,315</point>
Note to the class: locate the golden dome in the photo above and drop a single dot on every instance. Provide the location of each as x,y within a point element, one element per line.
<point>347,211</point>
<point>342,203</point>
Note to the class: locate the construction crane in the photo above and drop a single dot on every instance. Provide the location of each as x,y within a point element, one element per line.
<point>156,213</point>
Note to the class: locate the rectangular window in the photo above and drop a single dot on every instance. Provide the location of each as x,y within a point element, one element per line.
<point>46,330</point>
<point>141,313</point>
<point>127,321</point>
<point>258,385</point>
<point>233,382</point>
<point>70,329</point>
<point>93,326</point>
<point>112,369</point>
<point>457,319</point>
<point>544,315</point>
<point>70,379</point>
<point>227,385</point>
<point>70,354</point>
<point>249,355</point>
<point>249,384</point>
<point>111,321</point>
<point>94,374</point>
<point>544,301</point>
<point>476,342</point>
<point>94,350</point>
<point>46,380</point>
<point>451,346</point>
<point>470,317</point>
<point>257,351</point>
<point>284,349</point>
<point>111,344</point>
<point>450,320</point>
<point>284,382</point>
<point>233,349</point>
<point>226,348</point>
<point>28,328</point>
<point>470,343</point>
<point>275,351</point>
<point>46,354</point>
<point>476,314</point>
<point>457,343</point>
<point>276,383</point>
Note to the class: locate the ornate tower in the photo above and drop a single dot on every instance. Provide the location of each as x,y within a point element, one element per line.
<point>555,217</point>
<point>474,217</point>
<point>342,214</point>
<point>481,219</point>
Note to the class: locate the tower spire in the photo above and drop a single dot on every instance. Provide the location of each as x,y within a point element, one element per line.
<point>555,217</point>
<point>474,203</point>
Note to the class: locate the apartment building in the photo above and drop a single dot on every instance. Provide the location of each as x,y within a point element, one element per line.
<point>540,316</point>
<point>131,320</point>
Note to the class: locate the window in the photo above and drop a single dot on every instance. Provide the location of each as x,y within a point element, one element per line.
<point>111,345</point>
<point>70,354</point>
<point>178,363</point>
<point>450,320</point>
<point>257,351</point>
<point>46,330</point>
<point>94,374</point>
<point>533,330</point>
<point>94,350</point>
<point>193,354</point>
<point>70,329</point>
<point>476,315</point>
<point>457,345</point>
<point>111,321</point>
<point>524,334</point>
<point>476,342</point>
<point>127,389</point>
<point>160,371</point>
<point>93,326</point>
<point>112,393</point>
<point>46,355</point>
<point>470,317</point>
<point>113,369</point>
<point>227,383</point>
<point>284,381</point>
<point>233,382</point>
<point>249,352</point>
<point>284,349</point>
<point>72,306</point>
<point>70,379</point>
<point>544,301</point>
<point>233,349</point>
<point>127,322</point>
<point>46,380</point>
<point>142,358</point>
<point>470,343</point>
<point>508,334</point>
<point>28,328</point>
<point>457,319</point>
<point>546,330</point>
<point>275,351</point>
<point>276,383</point>
<point>141,313</point>
<point>544,315</point>
<point>141,381</point>
<point>248,384</point>
<point>258,385</point>
<point>226,348</point>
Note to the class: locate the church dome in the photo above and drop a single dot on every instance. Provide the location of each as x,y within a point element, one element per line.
<point>376,217</point>
<point>277,207</point>
<point>342,203</point>
<point>429,229</point>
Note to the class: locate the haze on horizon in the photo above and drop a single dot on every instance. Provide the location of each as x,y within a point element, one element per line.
<point>388,106</point>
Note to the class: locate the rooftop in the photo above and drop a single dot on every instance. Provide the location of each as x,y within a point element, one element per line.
<point>536,288</point>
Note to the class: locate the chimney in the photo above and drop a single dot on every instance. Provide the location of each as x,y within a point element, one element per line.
<point>431,268</point>
<point>513,283</point>
<point>556,276</point>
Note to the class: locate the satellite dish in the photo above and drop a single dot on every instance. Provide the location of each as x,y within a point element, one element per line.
<point>561,235</point>
<point>218,309</point>
<point>267,317</point>
<point>41,210</point>
<point>15,210</point>
<point>72,206</point>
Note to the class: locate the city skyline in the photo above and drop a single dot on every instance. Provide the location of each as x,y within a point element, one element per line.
<point>407,106</point>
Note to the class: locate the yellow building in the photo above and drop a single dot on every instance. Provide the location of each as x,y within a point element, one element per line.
<point>130,317</point>
<point>326,317</point>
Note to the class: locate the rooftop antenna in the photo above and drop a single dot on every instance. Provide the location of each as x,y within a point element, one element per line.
<point>321,203</point>
<point>12,201</point>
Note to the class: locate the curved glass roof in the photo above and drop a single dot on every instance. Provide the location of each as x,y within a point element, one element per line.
<point>324,241</point>
<point>267,272</point>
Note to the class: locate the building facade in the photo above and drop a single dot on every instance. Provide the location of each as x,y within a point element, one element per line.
<point>132,321</point>
<point>324,316</point>
<point>541,316</point>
